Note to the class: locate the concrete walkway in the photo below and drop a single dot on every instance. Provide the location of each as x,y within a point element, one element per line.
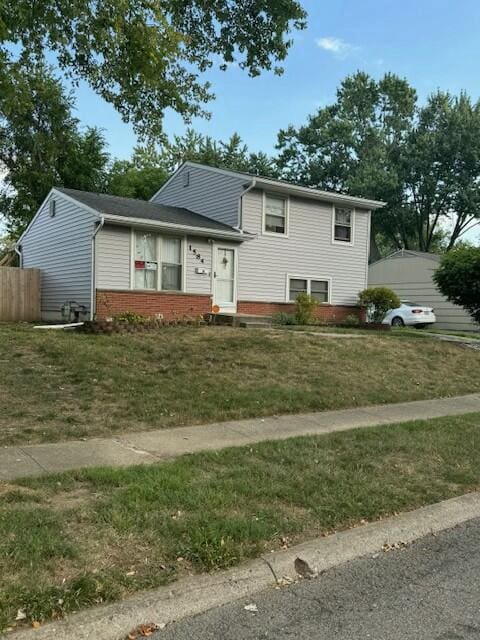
<point>151,446</point>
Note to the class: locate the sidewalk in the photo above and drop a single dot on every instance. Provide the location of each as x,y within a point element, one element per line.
<point>148,447</point>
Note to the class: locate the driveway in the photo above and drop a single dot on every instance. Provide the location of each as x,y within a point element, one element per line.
<point>427,591</point>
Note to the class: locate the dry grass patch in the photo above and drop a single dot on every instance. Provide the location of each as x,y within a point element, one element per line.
<point>97,535</point>
<point>58,386</point>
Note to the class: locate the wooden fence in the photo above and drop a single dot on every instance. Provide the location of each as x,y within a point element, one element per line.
<point>19,294</point>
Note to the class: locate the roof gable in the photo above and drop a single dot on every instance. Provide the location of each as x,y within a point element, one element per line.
<point>263,182</point>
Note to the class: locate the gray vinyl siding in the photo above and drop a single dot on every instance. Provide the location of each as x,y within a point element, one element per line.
<point>196,282</point>
<point>113,265</point>
<point>210,193</point>
<point>61,248</point>
<point>113,261</point>
<point>307,251</point>
<point>411,279</point>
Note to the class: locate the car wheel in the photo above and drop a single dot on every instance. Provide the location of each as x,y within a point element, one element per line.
<point>397,322</point>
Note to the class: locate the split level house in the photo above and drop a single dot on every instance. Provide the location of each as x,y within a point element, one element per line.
<point>208,240</point>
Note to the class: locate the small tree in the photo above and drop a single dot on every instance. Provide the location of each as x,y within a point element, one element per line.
<point>378,301</point>
<point>304,307</point>
<point>458,279</point>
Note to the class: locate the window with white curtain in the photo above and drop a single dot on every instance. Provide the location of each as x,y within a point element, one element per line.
<point>343,225</point>
<point>146,262</point>
<point>158,262</point>
<point>171,254</point>
<point>275,214</point>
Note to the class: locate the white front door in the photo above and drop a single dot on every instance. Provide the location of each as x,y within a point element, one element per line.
<point>225,279</point>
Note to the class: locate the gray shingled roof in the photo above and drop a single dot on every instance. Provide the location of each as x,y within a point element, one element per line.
<point>143,210</point>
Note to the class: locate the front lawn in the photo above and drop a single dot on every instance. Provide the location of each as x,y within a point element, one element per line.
<point>93,536</point>
<point>59,385</point>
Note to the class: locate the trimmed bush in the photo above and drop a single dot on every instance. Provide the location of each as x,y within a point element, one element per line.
<point>378,301</point>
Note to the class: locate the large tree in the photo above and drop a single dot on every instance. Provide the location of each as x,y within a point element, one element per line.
<point>145,56</point>
<point>376,141</point>
<point>149,166</point>
<point>41,145</point>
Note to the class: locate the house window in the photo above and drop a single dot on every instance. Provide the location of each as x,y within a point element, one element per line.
<point>275,218</point>
<point>157,262</point>
<point>146,263</point>
<point>52,208</point>
<point>171,254</point>
<point>343,225</point>
<point>318,289</point>
<point>297,285</point>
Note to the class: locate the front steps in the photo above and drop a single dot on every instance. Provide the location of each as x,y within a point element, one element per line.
<point>244,320</point>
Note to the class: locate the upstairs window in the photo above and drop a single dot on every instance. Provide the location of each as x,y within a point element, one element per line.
<point>275,214</point>
<point>146,263</point>
<point>343,225</point>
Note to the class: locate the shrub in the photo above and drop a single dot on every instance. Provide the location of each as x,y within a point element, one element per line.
<point>351,321</point>
<point>458,279</point>
<point>304,308</point>
<point>284,318</point>
<point>131,318</point>
<point>378,301</point>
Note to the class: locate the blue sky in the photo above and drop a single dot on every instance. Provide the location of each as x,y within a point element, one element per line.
<point>433,43</point>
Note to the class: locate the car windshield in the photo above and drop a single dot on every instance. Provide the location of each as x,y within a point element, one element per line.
<point>407,303</point>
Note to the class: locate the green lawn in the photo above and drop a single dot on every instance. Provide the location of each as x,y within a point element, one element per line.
<point>94,536</point>
<point>60,385</point>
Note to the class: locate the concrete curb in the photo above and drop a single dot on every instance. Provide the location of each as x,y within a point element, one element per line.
<point>195,595</point>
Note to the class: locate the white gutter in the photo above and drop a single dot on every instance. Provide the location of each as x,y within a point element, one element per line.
<point>93,298</point>
<point>239,236</point>
<point>240,204</point>
<point>19,253</point>
<point>317,194</point>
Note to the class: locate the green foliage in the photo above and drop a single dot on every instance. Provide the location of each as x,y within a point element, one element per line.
<point>149,167</point>
<point>351,320</point>
<point>304,308</point>
<point>284,318</point>
<point>376,141</point>
<point>41,144</point>
<point>144,56</point>
<point>458,278</point>
<point>378,302</point>
<point>131,318</point>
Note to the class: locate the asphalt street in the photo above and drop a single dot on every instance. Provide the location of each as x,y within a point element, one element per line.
<point>429,590</point>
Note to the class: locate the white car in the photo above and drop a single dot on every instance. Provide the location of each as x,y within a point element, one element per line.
<point>410,314</point>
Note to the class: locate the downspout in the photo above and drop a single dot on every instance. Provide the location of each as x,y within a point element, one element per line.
<point>19,253</point>
<point>251,186</point>
<point>93,298</point>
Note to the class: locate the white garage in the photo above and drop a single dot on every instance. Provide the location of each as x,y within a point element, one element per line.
<point>409,274</point>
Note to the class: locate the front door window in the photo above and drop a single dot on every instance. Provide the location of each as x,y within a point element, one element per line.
<point>225,278</point>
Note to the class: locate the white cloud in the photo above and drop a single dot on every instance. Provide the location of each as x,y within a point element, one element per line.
<point>336,46</point>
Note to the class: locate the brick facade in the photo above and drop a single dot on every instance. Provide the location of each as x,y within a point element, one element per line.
<point>149,303</point>
<point>324,312</point>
